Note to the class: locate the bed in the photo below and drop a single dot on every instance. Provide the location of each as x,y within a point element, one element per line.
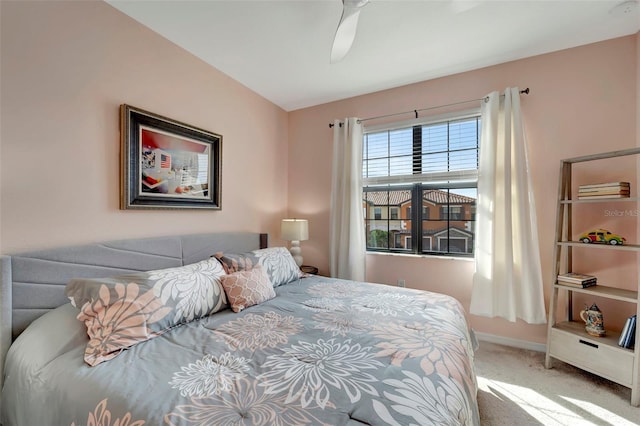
<point>269,347</point>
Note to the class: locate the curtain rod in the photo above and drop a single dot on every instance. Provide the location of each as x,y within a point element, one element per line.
<point>416,111</point>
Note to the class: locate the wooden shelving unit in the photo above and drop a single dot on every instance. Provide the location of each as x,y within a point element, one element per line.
<point>567,340</point>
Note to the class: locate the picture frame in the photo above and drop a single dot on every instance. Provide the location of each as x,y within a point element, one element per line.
<point>167,164</point>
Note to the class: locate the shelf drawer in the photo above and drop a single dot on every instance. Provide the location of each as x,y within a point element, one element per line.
<point>589,354</point>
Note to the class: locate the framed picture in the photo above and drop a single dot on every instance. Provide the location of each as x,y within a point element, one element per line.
<point>166,164</point>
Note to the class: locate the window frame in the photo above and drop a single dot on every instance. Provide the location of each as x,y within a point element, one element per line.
<point>418,182</point>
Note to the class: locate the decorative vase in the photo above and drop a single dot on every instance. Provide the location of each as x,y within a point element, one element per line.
<point>594,321</point>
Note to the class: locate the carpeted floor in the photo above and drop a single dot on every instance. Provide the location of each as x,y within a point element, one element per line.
<point>516,389</point>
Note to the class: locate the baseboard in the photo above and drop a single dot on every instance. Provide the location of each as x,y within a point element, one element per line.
<point>508,341</point>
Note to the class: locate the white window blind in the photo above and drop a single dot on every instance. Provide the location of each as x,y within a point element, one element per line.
<point>442,149</point>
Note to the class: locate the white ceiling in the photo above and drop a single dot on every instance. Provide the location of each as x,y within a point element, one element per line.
<point>281,49</point>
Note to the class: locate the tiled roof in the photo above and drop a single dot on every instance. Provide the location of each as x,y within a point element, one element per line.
<point>396,198</point>
<point>379,198</point>
<point>440,197</point>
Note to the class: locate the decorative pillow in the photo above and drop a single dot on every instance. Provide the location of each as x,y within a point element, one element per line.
<point>277,261</point>
<point>247,288</point>
<point>122,311</point>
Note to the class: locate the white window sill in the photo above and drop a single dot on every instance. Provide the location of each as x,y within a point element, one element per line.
<point>424,256</point>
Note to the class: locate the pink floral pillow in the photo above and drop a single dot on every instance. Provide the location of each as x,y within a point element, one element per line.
<point>276,261</point>
<point>247,288</point>
<point>122,311</point>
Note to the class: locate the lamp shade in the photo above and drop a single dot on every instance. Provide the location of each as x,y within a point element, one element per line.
<point>295,229</point>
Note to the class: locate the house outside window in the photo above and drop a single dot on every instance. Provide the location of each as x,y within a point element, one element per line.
<point>424,174</point>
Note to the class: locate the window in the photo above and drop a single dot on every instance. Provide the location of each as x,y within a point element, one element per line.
<point>377,213</point>
<point>452,212</point>
<point>393,211</point>
<point>424,174</point>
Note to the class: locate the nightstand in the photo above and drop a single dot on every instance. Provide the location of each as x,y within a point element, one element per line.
<point>307,269</point>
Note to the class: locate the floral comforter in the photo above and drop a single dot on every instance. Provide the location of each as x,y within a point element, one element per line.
<point>322,352</point>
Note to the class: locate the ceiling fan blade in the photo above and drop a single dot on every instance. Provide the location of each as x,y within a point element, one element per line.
<point>460,6</point>
<point>346,32</point>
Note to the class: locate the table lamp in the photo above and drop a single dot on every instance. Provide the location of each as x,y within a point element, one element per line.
<point>295,230</point>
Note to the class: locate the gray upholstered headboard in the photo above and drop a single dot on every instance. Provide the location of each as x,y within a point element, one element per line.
<point>33,283</point>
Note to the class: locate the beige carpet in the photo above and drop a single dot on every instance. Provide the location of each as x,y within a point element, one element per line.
<point>516,389</point>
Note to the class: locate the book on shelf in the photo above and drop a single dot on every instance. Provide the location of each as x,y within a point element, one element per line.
<point>578,285</point>
<point>605,185</point>
<point>595,197</point>
<point>608,190</point>
<point>628,333</point>
<point>574,279</point>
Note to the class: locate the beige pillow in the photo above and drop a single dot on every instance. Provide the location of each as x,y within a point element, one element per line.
<point>247,288</point>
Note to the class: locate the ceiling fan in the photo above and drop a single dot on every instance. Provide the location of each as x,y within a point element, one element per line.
<point>346,32</point>
<point>348,25</point>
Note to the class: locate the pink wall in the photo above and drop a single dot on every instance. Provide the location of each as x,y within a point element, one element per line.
<point>66,68</point>
<point>582,101</point>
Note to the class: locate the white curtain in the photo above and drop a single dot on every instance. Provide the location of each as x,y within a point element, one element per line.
<point>346,239</point>
<point>508,280</point>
